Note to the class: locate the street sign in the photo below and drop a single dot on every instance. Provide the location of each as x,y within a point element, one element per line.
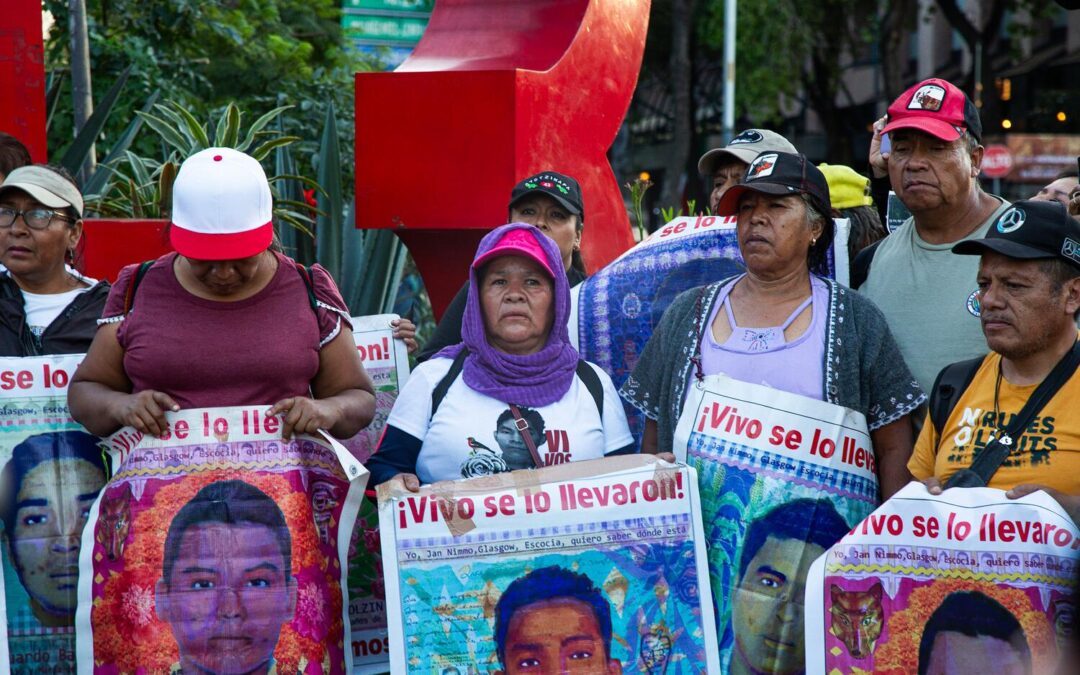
<point>997,161</point>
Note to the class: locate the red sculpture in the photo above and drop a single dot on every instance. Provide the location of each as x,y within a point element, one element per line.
<point>493,92</point>
<point>22,75</point>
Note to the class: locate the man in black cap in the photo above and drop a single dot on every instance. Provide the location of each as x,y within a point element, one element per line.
<point>1028,303</point>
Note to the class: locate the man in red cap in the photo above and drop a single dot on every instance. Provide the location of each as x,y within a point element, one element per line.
<point>928,295</point>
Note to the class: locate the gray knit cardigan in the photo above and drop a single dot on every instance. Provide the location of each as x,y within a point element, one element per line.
<point>863,369</point>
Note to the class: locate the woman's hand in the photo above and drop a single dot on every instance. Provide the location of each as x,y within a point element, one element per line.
<point>879,161</point>
<point>304,415</point>
<point>405,331</point>
<point>666,456</point>
<point>145,411</point>
<point>406,481</point>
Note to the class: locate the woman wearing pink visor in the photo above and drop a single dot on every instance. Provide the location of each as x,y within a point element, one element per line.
<point>514,394</point>
<point>223,321</point>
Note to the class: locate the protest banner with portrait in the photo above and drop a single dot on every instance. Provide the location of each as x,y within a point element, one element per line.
<point>386,360</point>
<point>600,561</point>
<point>219,547</point>
<point>52,471</point>
<point>967,579</point>
<point>781,478</point>
<point>617,308</point>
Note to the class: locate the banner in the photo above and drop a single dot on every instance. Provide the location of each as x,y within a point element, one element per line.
<point>52,471</point>
<point>618,307</point>
<point>386,360</point>
<point>782,477</point>
<point>601,562</point>
<point>967,577</point>
<point>219,548</point>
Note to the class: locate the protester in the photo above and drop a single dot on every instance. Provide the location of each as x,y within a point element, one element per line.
<point>1029,296</point>
<point>552,202</point>
<point>46,306</point>
<point>1059,190</point>
<point>849,192</point>
<point>13,154</point>
<point>926,293</point>
<point>223,321</point>
<point>778,323</point>
<point>724,167</point>
<point>515,354</point>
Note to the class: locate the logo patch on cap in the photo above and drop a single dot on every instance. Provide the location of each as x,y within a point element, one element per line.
<point>1071,249</point>
<point>1011,221</point>
<point>928,97</point>
<point>762,166</point>
<point>748,136</point>
<point>973,304</point>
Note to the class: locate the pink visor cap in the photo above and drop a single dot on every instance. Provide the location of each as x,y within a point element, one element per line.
<point>517,242</point>
<point>222,208</point>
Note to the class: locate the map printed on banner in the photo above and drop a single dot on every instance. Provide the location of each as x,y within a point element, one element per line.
<point>781,477</point>
<point>966,577</point>
<point>219,548</point>
<point>386,361</point>
<point>604,558</point>
<point>618,307</point>
<point>51,472</point>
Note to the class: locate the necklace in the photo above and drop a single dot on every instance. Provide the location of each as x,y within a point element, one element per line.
<point>1003,438</point>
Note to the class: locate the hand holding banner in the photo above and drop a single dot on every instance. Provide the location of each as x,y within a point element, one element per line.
<point>220,548</point>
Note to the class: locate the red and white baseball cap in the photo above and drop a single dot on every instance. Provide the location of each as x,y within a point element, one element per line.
<point>221,208</point>
<point>936,107</point>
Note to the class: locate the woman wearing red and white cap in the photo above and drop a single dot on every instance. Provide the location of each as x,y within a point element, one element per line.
<point>223,321</point>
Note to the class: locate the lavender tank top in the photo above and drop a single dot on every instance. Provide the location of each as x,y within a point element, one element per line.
<point>797,367</point>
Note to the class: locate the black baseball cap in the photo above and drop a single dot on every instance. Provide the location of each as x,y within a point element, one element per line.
<point>558,186</point>
<point>1030,230</point>
<point>779,173</point>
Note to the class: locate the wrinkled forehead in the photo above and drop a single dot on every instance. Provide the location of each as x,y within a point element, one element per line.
<point>728,165</point>
<point>538,200</point>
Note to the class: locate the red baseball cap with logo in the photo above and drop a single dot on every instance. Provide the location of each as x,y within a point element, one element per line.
<point>936,107</point>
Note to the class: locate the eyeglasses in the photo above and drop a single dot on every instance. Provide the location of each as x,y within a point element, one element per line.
<point>35,219</point>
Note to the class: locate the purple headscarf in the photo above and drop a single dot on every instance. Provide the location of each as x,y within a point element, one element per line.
<point>532,379</point>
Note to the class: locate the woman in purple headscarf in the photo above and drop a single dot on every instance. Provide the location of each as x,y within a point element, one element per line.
<point>514,394</point>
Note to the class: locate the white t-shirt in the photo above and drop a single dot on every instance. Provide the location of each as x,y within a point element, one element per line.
<point>42,309</point>
<point>467,439</point>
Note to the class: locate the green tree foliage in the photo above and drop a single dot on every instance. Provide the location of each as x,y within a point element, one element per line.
<point>204,54</point>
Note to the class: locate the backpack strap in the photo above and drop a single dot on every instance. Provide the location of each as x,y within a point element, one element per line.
<point>439,392</point>
<point>1000,445</point>
<point>951,383</point>
<point>305,274</point>
<point>592,382</point>
<point>860,267</point>
<point>584,372</point>
<point>140,272</point>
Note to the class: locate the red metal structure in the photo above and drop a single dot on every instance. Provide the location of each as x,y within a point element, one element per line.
<point>22,75</point>
<point>493,92</point>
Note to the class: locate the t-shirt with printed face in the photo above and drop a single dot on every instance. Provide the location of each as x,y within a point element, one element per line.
<point>476,435</point>
<point>1048,452</point>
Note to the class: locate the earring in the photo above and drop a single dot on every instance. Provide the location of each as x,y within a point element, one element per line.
<point>813,241</point>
